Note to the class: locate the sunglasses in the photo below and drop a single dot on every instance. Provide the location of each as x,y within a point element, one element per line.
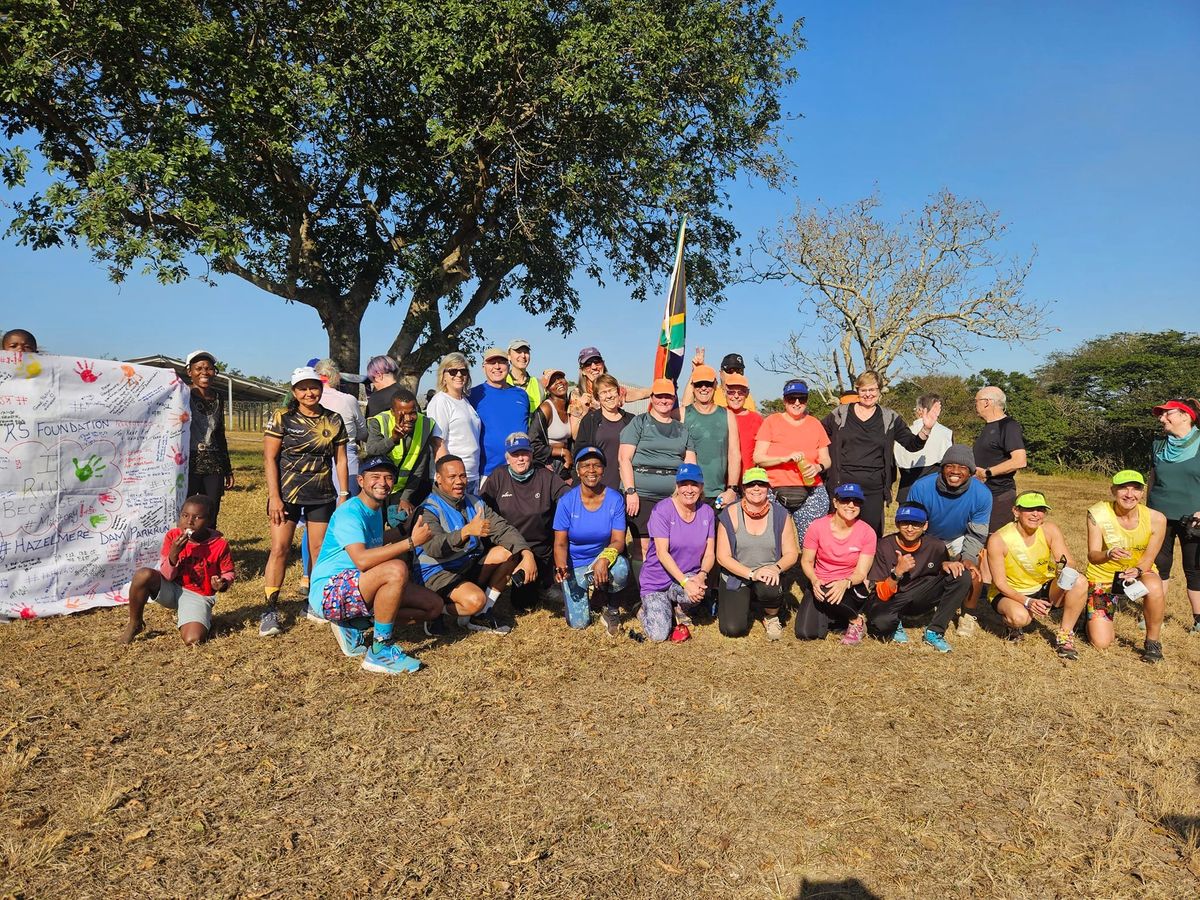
<point>796,398</point>
<point>456,373</point>
<point>703,384</point>
<point>853,501</point>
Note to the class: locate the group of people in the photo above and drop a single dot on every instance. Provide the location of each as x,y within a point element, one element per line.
<point>554,492</point>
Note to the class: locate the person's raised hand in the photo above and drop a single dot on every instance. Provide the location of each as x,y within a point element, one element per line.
<point>698,357</point>
<point>905,562</point>
<point>421,532</point>
<point>479,526</point>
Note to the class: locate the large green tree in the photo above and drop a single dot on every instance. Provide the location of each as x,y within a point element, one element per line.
<point>440,155</point>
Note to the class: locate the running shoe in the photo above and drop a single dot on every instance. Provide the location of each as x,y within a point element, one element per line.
<point>1152,652</point>
<point>680,633</point>
<point>1195,630</point>
<point>1064,646</point>
<point>854,633</point>
<point>388,659</point>
<point>353,641</point>
<point>611,620</point>
<point>436,628</point>
<point>484,621</point>
<point>1014,635</point>
<point>900,636</point>
<point>314,616</point>
<point>268,625</point>
<point>682,618</point>
<point>774,628</point>
<point>967,625</point>
<point>937,641</point>
<point>1141,622</point>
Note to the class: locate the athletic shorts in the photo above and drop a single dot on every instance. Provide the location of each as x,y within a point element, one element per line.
<point>445,581</point>
<point>312,512</point>
<point>1042,593</point>
<point>341,599</point>
<point>190,607</point>
<point>640,524</point>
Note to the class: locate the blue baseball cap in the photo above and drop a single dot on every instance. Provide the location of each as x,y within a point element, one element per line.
<point>376,462</point>
<point>516,443</point>
<point>909,513</point>
<point>795,386</point>
<point>689,472</point>
<point>591,453</point>
<point>849,491</point>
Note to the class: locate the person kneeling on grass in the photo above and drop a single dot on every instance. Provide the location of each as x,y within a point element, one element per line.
<point>1021,556</point>
<point>756,545</point>
<point>357,576</point>
<point>472,552</point>
<point>589,543</point>
<point>1124,537</point>
<point>913,574</point>
<point>838,552</point>
<point>682,554</point>
<point>195,566</point>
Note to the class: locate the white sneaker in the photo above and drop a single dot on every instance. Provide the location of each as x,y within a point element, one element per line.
<point>967,625</point>
<point>774,628</point>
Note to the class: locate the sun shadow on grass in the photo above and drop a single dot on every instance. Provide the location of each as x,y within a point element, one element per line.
<point>1186,828</point>
<point>829,890</point>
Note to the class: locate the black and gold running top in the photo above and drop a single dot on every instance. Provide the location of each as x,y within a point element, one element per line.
<point>306,458</point>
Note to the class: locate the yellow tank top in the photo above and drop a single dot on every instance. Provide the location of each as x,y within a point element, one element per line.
<point>1026,567</point>
<point>1135,541</point>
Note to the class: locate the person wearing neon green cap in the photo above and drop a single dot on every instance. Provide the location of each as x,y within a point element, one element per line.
<point>1123,539</point>
<point>1032,572</point>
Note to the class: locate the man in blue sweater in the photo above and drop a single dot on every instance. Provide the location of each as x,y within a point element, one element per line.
<point>959,509</point>
<point>502,408</point>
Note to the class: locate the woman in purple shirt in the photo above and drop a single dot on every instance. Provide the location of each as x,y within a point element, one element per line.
<point>681,556</point>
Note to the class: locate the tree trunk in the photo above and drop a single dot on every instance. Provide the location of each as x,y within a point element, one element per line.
<point>343,325</point>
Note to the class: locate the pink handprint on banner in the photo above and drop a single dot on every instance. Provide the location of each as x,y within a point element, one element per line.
<point>85,372</point>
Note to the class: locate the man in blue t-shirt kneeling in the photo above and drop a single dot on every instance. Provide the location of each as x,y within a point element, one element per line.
<point>358,576</point>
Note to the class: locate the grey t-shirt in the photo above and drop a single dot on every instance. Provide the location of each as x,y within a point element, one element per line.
<point>660,445</point>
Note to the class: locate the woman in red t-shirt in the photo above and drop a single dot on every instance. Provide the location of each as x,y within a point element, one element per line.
<point>794,449</point>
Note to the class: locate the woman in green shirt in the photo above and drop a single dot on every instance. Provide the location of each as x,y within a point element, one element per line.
<point>1175,492</point>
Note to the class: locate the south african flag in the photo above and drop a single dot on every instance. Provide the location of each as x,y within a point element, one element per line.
<point>668,362</point>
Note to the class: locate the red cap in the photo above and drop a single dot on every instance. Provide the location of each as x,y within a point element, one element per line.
<point>1176,404</point>
<point>663,386</point>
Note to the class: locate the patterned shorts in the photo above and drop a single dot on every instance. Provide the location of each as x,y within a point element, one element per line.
<point>341,599</point>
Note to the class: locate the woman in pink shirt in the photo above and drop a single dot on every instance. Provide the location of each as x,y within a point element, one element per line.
<point>838,552</point>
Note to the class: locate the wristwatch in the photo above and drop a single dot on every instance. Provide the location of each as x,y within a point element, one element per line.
<point>629,491</point>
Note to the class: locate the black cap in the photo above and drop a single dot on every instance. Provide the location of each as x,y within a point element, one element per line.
<point>376,462</point>
<point>733,361</point>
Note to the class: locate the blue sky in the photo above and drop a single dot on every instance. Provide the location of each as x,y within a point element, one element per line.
<point>1078,122</point>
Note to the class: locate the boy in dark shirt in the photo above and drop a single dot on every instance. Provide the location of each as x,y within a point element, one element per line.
<point>195,566</point>
<point>912,574</point>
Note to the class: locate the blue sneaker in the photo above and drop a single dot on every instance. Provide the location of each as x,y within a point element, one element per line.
<point>353,641</point>
<point>936,641</point>
<point>388,659</point>
<point>900,636</point>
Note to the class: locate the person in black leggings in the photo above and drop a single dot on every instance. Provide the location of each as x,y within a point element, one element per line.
<point>209,470</point>
<point>863,436</point>
<point>1175,492</point>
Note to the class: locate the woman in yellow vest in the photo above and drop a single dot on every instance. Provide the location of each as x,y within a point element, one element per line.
<point>1123,539</point>
<point>1029,562</point>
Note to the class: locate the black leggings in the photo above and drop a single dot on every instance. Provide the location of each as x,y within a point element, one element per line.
<point>212,487</point>
<point>815,616</point>
<point>944,594</point>
<point>874,500</point>
<point>735,606</point>
<point>1189,552</point>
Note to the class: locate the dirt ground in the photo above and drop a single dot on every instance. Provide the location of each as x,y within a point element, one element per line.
<point>553,763</point>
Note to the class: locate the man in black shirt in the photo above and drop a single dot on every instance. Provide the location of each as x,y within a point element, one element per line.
<point>999,453</point>
<point>912,574</point>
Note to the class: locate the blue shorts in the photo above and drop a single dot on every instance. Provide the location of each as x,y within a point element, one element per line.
<point>190,607</point>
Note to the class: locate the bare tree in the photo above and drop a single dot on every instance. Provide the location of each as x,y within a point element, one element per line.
<point>919,292</point>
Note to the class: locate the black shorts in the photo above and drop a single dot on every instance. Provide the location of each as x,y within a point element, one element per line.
<point>1002,513</point>
<point>445,581</point>
<point>639,525</point>
<point>1042,593</point>
<point>312,512</point>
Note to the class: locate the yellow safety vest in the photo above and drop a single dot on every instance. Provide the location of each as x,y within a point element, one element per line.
<point>1115,535</point>
<point>1027,568</point>
<point>405,458</point>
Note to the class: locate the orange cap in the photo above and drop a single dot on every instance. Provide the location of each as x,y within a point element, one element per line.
<point>663,386</point>
<point>734,379</point>
<point>704,373</point>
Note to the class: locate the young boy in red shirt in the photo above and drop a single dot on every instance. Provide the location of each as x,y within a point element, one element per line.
<point>195,565</point>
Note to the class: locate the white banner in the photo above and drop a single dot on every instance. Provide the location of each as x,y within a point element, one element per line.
<point>93,470</point>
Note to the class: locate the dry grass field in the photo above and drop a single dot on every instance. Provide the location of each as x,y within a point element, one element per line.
<point>552,763</point>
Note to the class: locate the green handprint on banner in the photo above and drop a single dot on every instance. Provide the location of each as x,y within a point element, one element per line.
<point>94,465</point>
<point>179,482</point>
<point>97,519</point>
